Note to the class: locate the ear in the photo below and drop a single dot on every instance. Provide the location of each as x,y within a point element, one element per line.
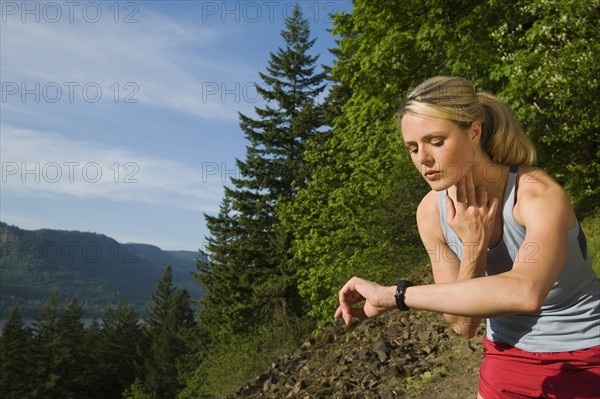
<point>475,132</point>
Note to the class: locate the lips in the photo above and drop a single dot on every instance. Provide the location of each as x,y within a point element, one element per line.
<point>433,175</point>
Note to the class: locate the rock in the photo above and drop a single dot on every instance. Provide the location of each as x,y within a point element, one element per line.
<point>300,385</point>
<point>436,376</point>
<point>269,384</point>
<point>382,350</point>
<point>385,393</point>
<point>341,370</point>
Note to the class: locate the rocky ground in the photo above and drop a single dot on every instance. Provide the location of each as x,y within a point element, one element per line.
<point>398,355</point>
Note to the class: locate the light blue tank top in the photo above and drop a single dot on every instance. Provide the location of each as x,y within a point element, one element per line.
<point>570,316</point>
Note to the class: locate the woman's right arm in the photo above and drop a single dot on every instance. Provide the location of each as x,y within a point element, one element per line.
<point>445,265</point>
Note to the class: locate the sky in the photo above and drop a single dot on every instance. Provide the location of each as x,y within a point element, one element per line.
<point>121,118</point>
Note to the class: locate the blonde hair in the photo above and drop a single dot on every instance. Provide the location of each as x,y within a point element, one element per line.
<point>455,98</point>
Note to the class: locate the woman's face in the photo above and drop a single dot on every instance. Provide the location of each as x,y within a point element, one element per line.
<point>439,148</point>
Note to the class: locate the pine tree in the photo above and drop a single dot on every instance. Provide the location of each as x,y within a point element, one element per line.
<point>248,277</point>
<point>45,376</point>
<point>70,355</point>
<point>96,383</point>
<point>117,350</point>
<point>169,318</point>
<point>60,358</point>
<point>15,358</point>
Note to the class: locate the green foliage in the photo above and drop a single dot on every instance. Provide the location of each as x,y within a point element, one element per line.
<point>228,366</point>
<point>549,61</point>
<point>236,358</point>
<point>137,391</point>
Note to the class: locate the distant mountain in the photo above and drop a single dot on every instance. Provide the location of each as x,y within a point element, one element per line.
<point>95,269</point>
<point>180,260</point>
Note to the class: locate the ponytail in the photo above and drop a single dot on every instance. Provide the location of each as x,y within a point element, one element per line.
<point>503,138</point>
<point>453,98</point>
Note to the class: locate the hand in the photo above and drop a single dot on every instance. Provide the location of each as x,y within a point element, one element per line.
<point>472,216</point>
<point>375,296</point>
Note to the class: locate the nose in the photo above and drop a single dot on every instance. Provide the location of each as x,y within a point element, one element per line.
<point>423,157</point>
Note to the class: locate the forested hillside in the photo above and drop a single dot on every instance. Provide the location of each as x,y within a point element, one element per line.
<point>92,268</point>
<point>60,357</point>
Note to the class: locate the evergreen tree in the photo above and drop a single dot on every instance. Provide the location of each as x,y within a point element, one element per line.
<point>248,276</point>
<point>15,358</point>
<point>70,357</point>
<point>96,383</point>
<point>46,375</point>
<point>117,350</point>
<point>169,319</point>
<point>60,358</point>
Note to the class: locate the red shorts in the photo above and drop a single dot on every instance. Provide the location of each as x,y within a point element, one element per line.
<point>511,373</point>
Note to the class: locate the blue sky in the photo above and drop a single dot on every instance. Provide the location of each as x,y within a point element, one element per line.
<point>121,117</point>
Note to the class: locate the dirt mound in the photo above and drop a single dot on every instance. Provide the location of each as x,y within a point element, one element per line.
<point>398,355</point>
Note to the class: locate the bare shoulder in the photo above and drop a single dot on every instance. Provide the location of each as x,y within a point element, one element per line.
<point>538,191</point>
<point>428,220</point>
<point>428,206</point>
<point>534,182</point>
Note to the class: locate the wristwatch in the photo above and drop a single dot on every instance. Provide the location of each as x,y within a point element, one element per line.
<point>401,287</point>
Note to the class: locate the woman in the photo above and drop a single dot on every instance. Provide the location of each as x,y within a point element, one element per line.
<point>504,244</point>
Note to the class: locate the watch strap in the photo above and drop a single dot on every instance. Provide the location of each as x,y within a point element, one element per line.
<point>401,287</point>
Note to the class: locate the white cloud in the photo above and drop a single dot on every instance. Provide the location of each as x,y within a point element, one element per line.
<point>42,164</point>
<point>163,61</point>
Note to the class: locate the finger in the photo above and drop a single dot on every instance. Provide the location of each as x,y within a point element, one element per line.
<point>470,188</point>
<point>482,196</point>
<point>347,317</point>
<point>348,296</point>
<point>358,313</point>
<point>450,210</point>
<point>338,313</point>
<point>493,208</point>
<point>356,296</point>
<point>344,303</point>
<point>344,313</point>
<point>461,194</point>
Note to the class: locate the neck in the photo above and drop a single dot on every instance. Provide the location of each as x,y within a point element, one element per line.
<point>489,175</point>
